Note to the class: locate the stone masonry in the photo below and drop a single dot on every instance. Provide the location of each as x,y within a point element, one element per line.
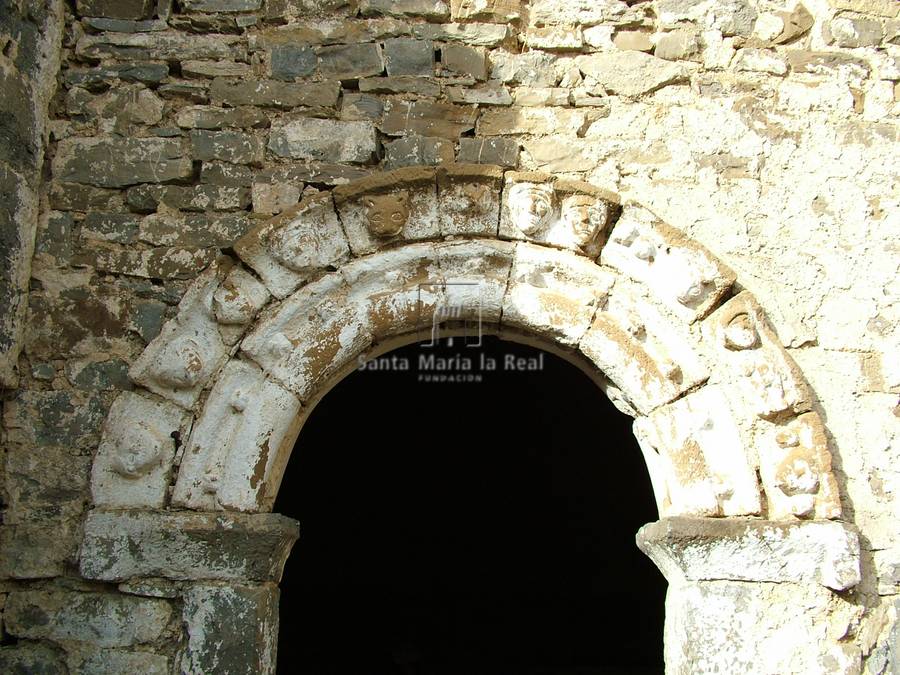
<point>698,197</point>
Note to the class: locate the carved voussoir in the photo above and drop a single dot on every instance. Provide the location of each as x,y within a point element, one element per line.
<point>554,293</point>
<point>567,214</point>
<point>681,273</point>
<point>288,249</point>
<point>399,204</point>
<point>133,463</point>
<point>753,359</point>
<point>178,363</point>
<point>476,273</point>
<point>696,457</point>
<point>468,196</point>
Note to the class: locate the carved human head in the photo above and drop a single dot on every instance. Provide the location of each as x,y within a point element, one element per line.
<point>586,216</point>
<point>291,244</point>
<point>180,364</point>
<point>530,206</point>
<point>387,214</point>
<point>137,450</point>
<point>740,333</point>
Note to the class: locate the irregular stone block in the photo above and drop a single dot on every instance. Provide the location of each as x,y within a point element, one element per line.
<point>697,459</point>
<point>214,615</point>
<point>177,545</point>
<point>350,62</point>
<point>221,5</point>
<point>474,34</point>
<point>416,150</point>
<point>32,658</point>
<point>683,275</point>
<point>327,140</point>
<point>76,197</point>
<point>240,445</point>
<point>404,56</point>
<point>533,68</point>
<point>118,661</point>
<point>190,230</point>
<point>469,199</point>
<point>492,94</point>
<point>116,9</point>
<point>201,198</point>
<point>475,274</point>
<point>210,117</point>
<point>101,619</point>
<point>45,484</point>
<point>533,121</point>
<point>630,73</point>
<point>442,120</point>
<point>158,263</point>
<point>403,84</point>
<point>114,162</point>
<point>554,37</point>
<point>429,9</point>
<point>147,73</point>
<point>361,107</point>
<point>465,60</point>
<point>271,93</point>
<point>270,199</point>
<point>166,46</point>
<point>759,61</point>
<point>229,175</point>
<point>498,11</point>
<point>768,380</point>
<point>552,12</point>
<point>67,419</point>
<point>38,550</point>
<point>134,462</point>
<point>121,228</point>
<point>227,146</point>
<point>554,293</point>
<point>498,151</point>
<point>402,203</point>
<point>214,69</point>
<point>698,549</point>
<point>856,32</point>
<point>292,61</point>
<point>179,362</point>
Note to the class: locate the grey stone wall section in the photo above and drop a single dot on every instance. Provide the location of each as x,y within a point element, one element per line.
<point>30,41</point>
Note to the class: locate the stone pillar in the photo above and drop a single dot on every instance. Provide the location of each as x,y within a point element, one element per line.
<point>224,566</point>
<point>753,596</point>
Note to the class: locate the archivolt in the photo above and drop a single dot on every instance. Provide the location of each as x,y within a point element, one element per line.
<point>722,413</point>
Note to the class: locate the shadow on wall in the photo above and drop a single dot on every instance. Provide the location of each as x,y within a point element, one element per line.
<point>484,524</point>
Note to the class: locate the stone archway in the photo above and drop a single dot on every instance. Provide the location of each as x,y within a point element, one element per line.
<point>191,461</point>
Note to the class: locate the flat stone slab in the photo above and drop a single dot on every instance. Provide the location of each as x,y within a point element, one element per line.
<point>119,545</point>
<point>708,549</point>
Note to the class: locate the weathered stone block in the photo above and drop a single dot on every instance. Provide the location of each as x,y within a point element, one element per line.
<point>101,619</point>
<point>533,121</point>
<point>158,263</point>
<point>416,150</point>
<point>533,68</point>
<point>118,661</point>
<point>77,197</point>
<point>350,62</point>
<point>121,228</point>
<point>405,56</point>
<point>290,249</point>
<point>221,5</point>
<point>66,419</point>
<point>148,198</point>
<point>469,199</point>
<point>440,120</point>
<point>213,615</point>
<point>186,545</point>
<point>38,550</point>
<point>465,60</point>
<point>429,9</point>
<point>701,549</point>
<point>240,445</point>
<point>275,94</point>
<point>683,275</point>
<point>119,162</point>
<point>402,84</point>
<point>133,465</point>
<point>328,140</point>
<point>491,94</point>
<point>554,37</point>
<point>227,146</point>
<point>498,11</point>
<point>476,275</point>
<point>210,117</point>
<point>402,203</point>
<point>192,230</point>
<point>856,32</point>
<point>179,362</point>
<point>475,34</point>
<point>163,46</point>
<point>292,61</point>
<point>273,198</point>
<point>116,9</point>
<point>499,151</point>
<point>44,484</point>
<point>630,73</point>
<point>32,658</point>
<point>227,175</point>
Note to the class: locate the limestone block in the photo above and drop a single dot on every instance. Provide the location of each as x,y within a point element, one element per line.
<point>694,447</point>
<point>288,250</point>
<point>182,358</point>
<point>248,424</point>
<point>765,377</point>
<point>186,545</point>
<point>476,275</point>
<point>680,273</point>
<point>554,293</point>
<point>382,208</point>
<point>469,199</point>
<point>699,549</point>
<point>215,614</point>
<point>568,214</point>
<point>554,37</point>
<point>236,302</point>
<point>630,73</point>
<point>795,468</point>
<point>101,619</point>
<point>327,140</point>
<point>134,462</point>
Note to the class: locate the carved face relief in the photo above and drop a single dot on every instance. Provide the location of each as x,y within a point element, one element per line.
<point>740,333</point>
<point>231,306</point>
<point>181,364</point>
<point>530,206</point>
<point>586,216</point>
<point>769,386</point>
<point>137,451</point>
<point>471,200</point>
<point>795,476</point>
<point>693,284</point>
<point>387,214</point>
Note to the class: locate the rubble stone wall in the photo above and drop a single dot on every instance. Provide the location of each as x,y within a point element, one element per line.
<point>766,132</point>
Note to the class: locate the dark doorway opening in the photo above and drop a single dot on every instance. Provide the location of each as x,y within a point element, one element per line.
<point>462,527</point>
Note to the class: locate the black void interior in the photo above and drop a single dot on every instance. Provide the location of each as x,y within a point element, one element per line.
<point>464,526</point>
